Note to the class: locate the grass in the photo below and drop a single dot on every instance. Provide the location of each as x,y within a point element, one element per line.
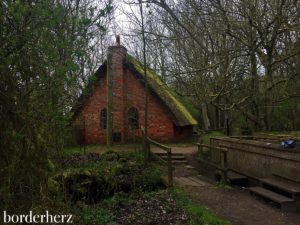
<point>206,137</point>
<point>72,150</point>
<point>222,185</point>
<point>101,148</point>
<point>86,215</point>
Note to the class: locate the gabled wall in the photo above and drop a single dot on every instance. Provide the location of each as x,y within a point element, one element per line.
<point>128,91</point>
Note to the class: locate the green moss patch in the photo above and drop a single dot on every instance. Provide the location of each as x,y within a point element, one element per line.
<point>91,179</point>
<point>169,97</point>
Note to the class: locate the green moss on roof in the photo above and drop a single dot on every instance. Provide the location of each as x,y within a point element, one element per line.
<point>177,107</point>
<point>186,101</point>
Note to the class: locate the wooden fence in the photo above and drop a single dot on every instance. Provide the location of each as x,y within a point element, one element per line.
<point>254,158</point>
<point>222,164</point>
<point>165,148</point>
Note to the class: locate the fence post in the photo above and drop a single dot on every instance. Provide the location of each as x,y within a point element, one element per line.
<point>145,143</point>
<point>148,150</point>
<point>200,147</point>
<point>224,165</point>
<point>170,169</point>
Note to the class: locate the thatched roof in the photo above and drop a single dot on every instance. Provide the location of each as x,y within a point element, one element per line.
<point>180,113</point>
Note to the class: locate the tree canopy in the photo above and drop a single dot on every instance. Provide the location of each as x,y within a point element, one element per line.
<point>46,50</point>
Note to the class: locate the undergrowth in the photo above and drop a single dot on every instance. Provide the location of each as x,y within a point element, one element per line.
<point>118,188</point>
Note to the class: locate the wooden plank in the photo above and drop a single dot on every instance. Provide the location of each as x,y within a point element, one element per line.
<point>155,156</point>
<point>189,167</point>
<point>287,172</point>
<point>293,189</point>
<point>170,169</point>
<point>169,159</point>
<point>270,195</point>
<point>200,182</point>
<point>212,164</point>
<point>235,176</point>
<point>164,147</point>
<point>181,181</point>
<point>179,162</point>
<point>186,181</point>
<point>237,179</point>
<point>211,147</point>
<point>190,182</point>
<point>175,157</point>
<point>164,153</point>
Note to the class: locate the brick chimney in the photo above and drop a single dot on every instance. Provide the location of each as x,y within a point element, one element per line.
<point>116,56</point>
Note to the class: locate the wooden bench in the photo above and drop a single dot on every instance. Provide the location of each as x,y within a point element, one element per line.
<point>236,178</point>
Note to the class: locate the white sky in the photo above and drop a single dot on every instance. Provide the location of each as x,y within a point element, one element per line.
<point>122,24</point>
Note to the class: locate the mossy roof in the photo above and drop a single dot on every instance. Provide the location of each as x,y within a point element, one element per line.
<point>181,114</point>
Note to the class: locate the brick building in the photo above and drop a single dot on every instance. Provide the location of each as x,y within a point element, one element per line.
<point>168,118</point>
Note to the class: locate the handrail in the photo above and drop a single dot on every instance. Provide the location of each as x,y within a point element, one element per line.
<point>274,138</point>
<point>169,157</point>
<point>223,153</point>
<point>163,147</point>
<point>211,147</point>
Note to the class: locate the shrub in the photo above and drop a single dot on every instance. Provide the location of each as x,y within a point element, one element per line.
<point>95,181</point>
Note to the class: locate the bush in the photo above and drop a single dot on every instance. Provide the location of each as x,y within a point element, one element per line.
<point>92,182</point>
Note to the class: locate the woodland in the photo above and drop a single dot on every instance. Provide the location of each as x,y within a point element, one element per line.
<point>233,59</point>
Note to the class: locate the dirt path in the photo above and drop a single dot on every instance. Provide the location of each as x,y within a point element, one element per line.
<point>240,208</point>
<point>235,204</point>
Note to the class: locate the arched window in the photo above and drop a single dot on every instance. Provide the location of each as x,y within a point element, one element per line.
<point>133,118</point>
<point>103,116</point>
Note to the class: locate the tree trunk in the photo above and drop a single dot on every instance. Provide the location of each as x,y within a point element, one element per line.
<point>205,117</point>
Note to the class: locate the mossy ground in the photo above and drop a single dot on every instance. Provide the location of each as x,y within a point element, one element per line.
<point>172,206</point>
<point>140,204</point>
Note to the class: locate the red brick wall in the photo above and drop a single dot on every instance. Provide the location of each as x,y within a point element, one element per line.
<point>128,92</point>
<point>91,113</point>
<point>160,126</point>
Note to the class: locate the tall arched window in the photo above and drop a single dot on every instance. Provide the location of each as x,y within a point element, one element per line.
<point>103,116</point>
<point>133,118</point>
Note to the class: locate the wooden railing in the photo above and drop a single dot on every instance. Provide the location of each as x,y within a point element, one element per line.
<point>255,159</point>
<point>271,138</point>
<point>223,164</point>
<point>268,137</point>
<point>168,150</point>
